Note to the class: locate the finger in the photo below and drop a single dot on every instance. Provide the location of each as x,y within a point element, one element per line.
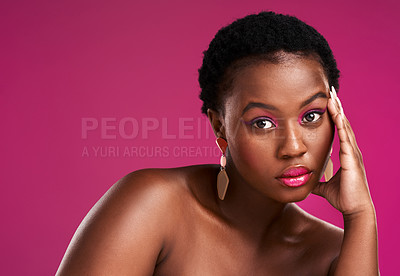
<point>332,108</point>
<point>319,189</point>
<point>345,142</point>
<point>322,188</point>
<point>337,117</point>
<point>336,100</point>
<point>348,144</point>
<point>350,131</point>
<point>347,124</point>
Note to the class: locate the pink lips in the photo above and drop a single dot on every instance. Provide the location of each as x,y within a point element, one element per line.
<point>295,176</point>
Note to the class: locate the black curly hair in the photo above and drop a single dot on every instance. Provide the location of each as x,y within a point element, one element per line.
<point>262,37</point>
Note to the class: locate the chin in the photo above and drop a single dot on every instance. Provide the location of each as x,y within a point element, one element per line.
<point>295,196</point>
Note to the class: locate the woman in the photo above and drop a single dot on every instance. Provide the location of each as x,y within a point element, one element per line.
<point>265,83</point>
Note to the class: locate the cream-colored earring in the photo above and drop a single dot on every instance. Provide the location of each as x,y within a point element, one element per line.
<point>329,169</point>
<point>222,179</point>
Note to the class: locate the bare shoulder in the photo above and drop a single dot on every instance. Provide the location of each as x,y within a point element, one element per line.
<point>145,191</point>
<point>127,230</point>
<point>168,186</point>
<point>149,183</point>
<point>324,238</point>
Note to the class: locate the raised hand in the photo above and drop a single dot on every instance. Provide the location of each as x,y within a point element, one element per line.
<point>347,190</point>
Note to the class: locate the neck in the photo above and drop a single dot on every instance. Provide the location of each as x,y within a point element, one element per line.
<point>247,209</point>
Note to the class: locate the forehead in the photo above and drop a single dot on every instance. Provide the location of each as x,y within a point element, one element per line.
<point>279,84</point>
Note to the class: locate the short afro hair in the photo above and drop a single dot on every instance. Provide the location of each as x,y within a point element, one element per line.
<point>254,39</point>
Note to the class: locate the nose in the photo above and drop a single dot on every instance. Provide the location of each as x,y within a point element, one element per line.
<point>291,143</point>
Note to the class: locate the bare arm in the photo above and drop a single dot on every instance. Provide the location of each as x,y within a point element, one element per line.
<point>358,255</point>
<point>348,192</point>
<point>124,233</point>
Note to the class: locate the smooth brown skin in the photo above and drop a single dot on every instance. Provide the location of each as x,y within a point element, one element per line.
<point>171,221</point>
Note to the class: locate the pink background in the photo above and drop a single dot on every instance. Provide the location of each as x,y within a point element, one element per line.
<point>64,61</point>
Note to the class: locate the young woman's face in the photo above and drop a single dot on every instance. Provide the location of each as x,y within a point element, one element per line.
<point>276,117</point>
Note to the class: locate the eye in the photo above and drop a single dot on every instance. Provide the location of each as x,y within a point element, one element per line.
<point>312,117</point>
<point>263,123</point>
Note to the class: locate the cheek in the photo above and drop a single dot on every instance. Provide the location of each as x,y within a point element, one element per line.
<point>319,141</point>
<point>252,155</point>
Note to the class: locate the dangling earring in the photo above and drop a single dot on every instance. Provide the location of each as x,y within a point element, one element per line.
<point>329,169</point>
<point>222,179</point>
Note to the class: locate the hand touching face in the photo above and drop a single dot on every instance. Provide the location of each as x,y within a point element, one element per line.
<point>276,119</point>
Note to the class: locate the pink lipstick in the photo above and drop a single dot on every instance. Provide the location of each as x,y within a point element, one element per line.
<point>295,176</point>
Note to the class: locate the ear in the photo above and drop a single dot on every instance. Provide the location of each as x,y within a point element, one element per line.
<point>217,123</point>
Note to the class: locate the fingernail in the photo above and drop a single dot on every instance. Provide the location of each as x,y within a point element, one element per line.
<point>337,99</point>
<point>334,93</point>
<point>340,105</point>
<point>330,93</point>
<point>334,90</point>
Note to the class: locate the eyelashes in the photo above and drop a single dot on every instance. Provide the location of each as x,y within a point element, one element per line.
<point>312,116</point>
<point>262,123</point>
<point>308,118</point>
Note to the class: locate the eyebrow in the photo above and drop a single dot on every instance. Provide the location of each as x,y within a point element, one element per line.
<point>271,107</point>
